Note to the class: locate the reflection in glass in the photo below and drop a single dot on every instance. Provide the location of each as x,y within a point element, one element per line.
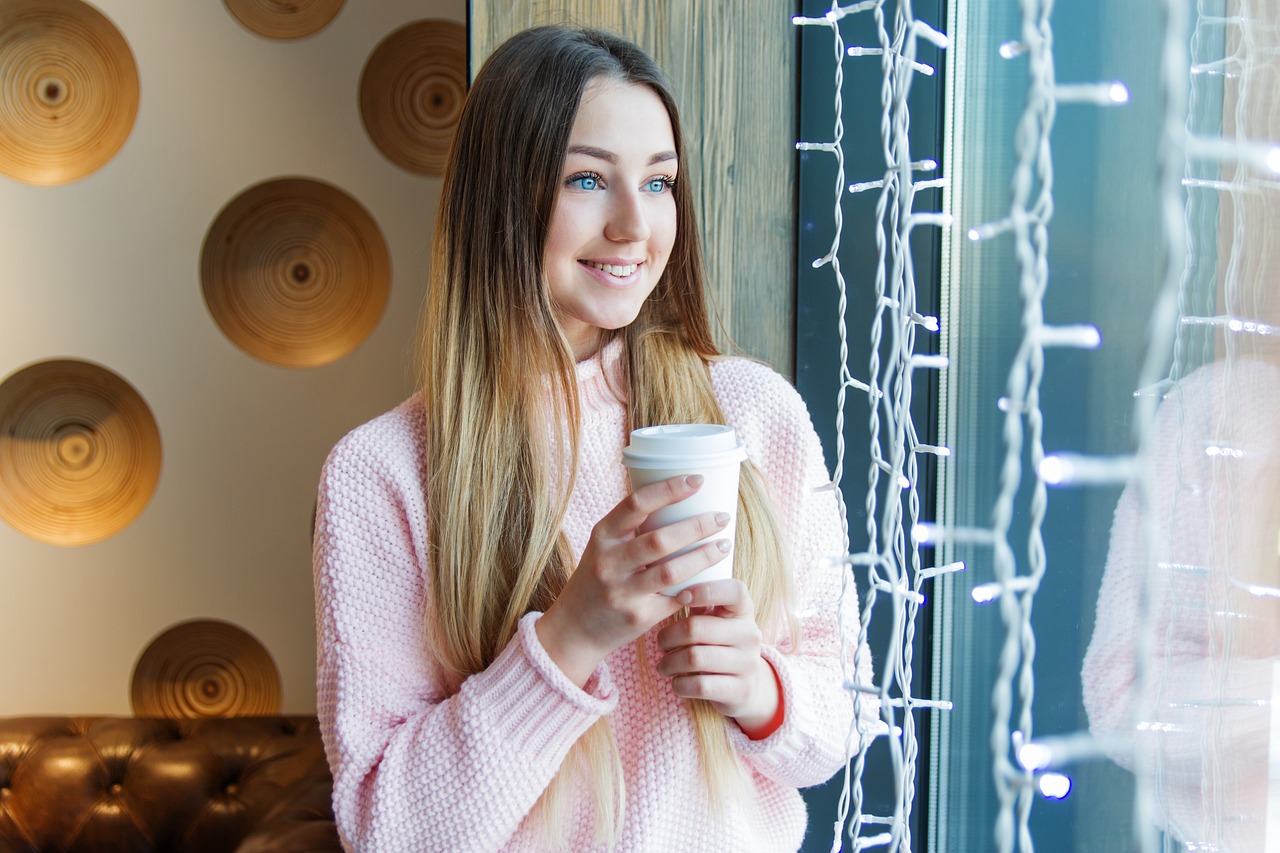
<point>1156,625</point>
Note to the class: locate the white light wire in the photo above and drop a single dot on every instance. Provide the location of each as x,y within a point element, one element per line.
<point>1030,211</point>
<point>855,748</point>
<point>893,560</point>
<point>1177,298</point>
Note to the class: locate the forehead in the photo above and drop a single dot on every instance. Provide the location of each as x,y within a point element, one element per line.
<point>622,117</point>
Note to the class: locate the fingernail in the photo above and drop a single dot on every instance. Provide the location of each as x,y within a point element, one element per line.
<point>694,481</point>
<point>724,545</point>
<point>722,518</point>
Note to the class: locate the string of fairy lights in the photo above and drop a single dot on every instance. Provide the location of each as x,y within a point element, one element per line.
<point>892,560</point>
<point>1021,765</point>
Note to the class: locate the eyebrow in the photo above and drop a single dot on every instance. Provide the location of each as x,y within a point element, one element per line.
<point>610,157</point>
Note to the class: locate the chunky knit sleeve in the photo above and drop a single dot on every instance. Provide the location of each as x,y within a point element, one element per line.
<point>774,423</point>
<point>416,768</point>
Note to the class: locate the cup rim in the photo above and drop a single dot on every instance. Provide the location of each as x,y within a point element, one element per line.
<point>652,446</point>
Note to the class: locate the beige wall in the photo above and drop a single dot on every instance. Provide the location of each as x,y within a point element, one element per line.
<point>732,63</point>
<point>106,269</point>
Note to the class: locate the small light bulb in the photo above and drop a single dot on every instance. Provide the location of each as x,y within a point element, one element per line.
<point>1055,470</point>
<point>1055,786</point>
<point>985,593</point>
<point>1034,756</point>
<point>1273,160</point>
<point>1010,49</point>
<point>1119,94</point>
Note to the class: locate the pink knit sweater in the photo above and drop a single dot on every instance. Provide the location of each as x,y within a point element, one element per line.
<point>418,770</point>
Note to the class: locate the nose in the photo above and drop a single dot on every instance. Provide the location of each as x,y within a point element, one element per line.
<point>627,222</point>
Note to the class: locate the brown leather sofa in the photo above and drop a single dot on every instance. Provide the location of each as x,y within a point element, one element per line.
<point>124,784</point>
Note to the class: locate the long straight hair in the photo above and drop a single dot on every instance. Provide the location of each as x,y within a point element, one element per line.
<point>501,397</point>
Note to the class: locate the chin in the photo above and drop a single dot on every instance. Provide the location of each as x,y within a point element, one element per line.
<point>614,322</point>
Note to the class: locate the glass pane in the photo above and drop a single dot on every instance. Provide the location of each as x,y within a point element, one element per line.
<point>1154,627</point>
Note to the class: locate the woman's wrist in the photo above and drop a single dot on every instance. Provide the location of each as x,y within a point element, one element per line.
<point>571,654</point>
<point>767,717</point>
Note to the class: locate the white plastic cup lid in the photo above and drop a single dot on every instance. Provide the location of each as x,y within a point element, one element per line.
<point>669,445</point>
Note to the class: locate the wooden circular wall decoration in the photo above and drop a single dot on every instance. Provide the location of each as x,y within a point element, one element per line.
<point>295,272</point>
<point>284,19</point>
<point>205,668</point>
<point>68,90</point>
<point>79,452</point>
<point>411,93</point>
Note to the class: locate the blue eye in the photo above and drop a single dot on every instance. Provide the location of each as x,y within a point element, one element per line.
<point>584,181</point>
<point>661,184</point>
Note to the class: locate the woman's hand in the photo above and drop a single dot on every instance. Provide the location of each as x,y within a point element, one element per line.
<point>714,654</point>
<point>614,595</point>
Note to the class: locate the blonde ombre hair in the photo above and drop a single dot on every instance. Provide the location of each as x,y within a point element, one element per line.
<point>501,397</point>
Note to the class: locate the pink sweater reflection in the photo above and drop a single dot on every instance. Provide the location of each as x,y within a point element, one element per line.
<point>1200,727</point>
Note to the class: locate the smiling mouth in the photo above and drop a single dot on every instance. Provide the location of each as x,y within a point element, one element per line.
<point>615,270</point>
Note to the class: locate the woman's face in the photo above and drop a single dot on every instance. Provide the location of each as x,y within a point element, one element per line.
<point>614,221</point>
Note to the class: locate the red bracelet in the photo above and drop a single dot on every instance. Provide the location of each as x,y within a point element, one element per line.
<point>775,722</point>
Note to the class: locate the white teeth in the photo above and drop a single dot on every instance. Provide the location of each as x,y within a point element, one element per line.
<point>621,270</point>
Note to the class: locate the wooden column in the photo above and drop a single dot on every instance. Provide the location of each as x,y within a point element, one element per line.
<point>733,65</point>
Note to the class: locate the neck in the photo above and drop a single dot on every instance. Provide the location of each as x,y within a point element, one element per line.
<point>588,344</point>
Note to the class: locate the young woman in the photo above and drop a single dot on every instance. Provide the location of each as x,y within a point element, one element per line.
<point>498,669</point>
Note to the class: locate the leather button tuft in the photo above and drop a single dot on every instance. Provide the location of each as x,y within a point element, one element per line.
<point>232,789</point>
<point>117,788</point>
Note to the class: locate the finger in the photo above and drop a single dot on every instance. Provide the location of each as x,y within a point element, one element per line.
<point>632,510</point>
<point>706,660</point>
<point>668,572</point>
<point>728,595</point>
<point>726,690</point>
<point>709,629</point>
<point>659,544</point>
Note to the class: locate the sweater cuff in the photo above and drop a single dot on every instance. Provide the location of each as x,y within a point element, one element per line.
<point>786,742</point>
<point>528,700</point>
<point>598,696</point>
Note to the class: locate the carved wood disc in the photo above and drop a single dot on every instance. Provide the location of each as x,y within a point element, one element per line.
<point>68,90</point>
<point>284,19</point>
<point>79,452</point>
<point>295,272</point>
<point>411,93</point>
<point>205,668</point>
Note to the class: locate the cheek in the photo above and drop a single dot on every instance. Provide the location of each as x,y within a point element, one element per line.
<point>564,233</point>
<point>665,231</point>
<point>557,242</point>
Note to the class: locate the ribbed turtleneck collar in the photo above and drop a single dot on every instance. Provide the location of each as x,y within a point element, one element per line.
<point>600,377</point>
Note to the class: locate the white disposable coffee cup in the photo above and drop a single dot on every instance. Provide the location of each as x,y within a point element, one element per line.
<point>674,450</point>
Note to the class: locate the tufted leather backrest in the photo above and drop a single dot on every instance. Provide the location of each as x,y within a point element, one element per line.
<point>126,784</point>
